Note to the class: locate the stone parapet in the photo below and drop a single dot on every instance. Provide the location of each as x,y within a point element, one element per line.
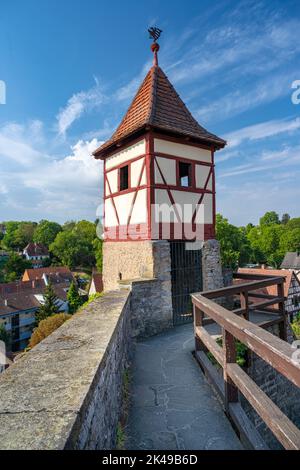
<point>66,393</point>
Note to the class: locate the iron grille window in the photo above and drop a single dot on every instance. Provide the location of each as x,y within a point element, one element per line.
<point>185,172</point>
<point>124,180</point>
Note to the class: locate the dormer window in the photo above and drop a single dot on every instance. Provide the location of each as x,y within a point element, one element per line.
<point>185,174</point>
<point>124,178</point>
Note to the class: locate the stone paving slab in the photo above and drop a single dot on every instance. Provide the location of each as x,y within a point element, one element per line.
<point>172,405</point>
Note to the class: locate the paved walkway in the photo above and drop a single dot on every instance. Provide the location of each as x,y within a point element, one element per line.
<point>172,405</point>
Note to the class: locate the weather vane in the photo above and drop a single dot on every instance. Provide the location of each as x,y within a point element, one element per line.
<point>154,34</point>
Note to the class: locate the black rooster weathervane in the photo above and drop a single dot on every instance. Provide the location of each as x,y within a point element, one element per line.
<point>154,33</point>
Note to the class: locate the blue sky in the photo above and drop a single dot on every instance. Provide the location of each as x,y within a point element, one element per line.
<point>71,68</point>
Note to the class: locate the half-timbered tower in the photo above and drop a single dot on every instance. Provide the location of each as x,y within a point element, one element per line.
<point>159,179</point>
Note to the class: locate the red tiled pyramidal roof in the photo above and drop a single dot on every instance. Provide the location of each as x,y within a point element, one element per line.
<point>157,105</point>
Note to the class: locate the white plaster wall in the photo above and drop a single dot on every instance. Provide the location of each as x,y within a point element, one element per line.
<point>110,215</point>
<point>123,206</point>
<point>201,176</point>
<point>186,202</point>
<point>168,169</point>
<point>135,172</point>
<point>112,178</point>
<point>139,212</point>
<point>126,154</point>
<point>181,150</point>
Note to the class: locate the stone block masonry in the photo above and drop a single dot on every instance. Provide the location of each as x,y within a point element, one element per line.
<point>211,266</point>
<point>67,392</point>
<point>127,260</point>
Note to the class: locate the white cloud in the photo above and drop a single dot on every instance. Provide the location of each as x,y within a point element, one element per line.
<point>40,185</point>
<point>267,162</point>
<point>262,131</point>
<point>16,143</point>
<point>236,102</point>
<point>78,104</point>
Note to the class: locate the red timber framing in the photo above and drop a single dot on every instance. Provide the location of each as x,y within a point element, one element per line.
<point>149,230</point>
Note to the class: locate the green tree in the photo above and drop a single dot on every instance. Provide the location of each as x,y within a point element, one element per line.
<point>290,240</point>
<point>18,234</point>
<point>270,218</point>
<point>234,245</point>
<point>9,239</point>
<point>265,242</point>
<point>75,248</point>
<point>46,232</point>
<point>98,248</point>
<point>14,267</point>
<point>74,299</point>
<point>285,218</point>
<point>69,225</point>
<point>293,223</point>
<point>50,306</point>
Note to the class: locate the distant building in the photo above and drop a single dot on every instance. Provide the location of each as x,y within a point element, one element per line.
<point>37,253</point>
<point>56,273</point>
<point>19,302</point>
<point>291,261</point>
<point>2,229</point>
<point>96,285</point>
<point>291,288</point>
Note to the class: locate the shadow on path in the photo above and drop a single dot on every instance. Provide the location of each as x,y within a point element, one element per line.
<point>172,405</point>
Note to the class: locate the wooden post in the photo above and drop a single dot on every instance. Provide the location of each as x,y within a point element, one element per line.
<point>281,308</point>
<point>198,321</point>
<point>245,304</point>
<point>231,391</point>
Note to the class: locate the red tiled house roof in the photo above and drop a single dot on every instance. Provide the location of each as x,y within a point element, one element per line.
<point>19,296</point>
<point>61,271</point>
<point>36,249</point>
<point>158,106</point>
<point>98,281</point>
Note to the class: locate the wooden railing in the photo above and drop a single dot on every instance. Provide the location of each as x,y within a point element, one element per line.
<point>272,349</point>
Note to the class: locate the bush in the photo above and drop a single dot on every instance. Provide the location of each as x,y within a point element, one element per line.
<point>241,353</point>
<point>46,327</point>
<point>296,326</point>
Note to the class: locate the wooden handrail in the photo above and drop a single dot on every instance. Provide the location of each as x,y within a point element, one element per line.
<point>270,348</point>
<point>273,350</point>
<point>254,277</point>
<point>286,432</point>
<point>245,287</point>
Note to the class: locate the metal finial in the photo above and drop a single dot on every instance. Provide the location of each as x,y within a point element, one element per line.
<point>154,34</point>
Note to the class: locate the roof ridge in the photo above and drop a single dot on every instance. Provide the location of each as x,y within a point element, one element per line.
<point>154,93</point>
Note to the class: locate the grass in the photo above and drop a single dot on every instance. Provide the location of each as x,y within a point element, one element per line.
<point>91,298</point>
<point>121,437</point>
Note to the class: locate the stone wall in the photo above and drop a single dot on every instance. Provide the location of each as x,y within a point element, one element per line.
<point>151,299</point>
<point>127,260</point>
<point>211,266</point>
<point>67,392</point>
<point>151,307</point>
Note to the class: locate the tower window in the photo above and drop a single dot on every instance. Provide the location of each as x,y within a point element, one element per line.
<point>124,180</point>
<point>185,172</point>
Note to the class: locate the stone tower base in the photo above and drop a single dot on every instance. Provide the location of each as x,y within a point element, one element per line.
<point>146,267</point>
